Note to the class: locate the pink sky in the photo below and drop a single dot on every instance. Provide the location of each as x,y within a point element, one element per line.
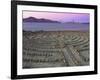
<point>63,17</point>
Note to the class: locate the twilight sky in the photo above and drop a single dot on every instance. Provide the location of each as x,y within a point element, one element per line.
<point>58,16</point>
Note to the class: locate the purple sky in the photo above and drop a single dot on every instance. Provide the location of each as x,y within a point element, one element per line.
<point>62,17</point>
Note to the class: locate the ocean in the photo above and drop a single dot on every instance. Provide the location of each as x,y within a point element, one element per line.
<point>35,26</point>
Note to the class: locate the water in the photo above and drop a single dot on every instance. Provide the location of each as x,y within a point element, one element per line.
<point>34,26</point>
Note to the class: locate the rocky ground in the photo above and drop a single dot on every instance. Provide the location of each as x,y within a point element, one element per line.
<point>55,49</point>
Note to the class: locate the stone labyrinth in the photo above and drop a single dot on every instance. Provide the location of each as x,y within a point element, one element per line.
<point>55,49</point>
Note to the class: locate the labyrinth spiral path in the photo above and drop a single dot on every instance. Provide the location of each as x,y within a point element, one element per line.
<point>55,49</point>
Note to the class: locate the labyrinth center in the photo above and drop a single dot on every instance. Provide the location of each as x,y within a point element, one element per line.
<point>55,49</point>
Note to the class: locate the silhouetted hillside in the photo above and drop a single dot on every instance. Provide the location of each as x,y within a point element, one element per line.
<point>33,19</point>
